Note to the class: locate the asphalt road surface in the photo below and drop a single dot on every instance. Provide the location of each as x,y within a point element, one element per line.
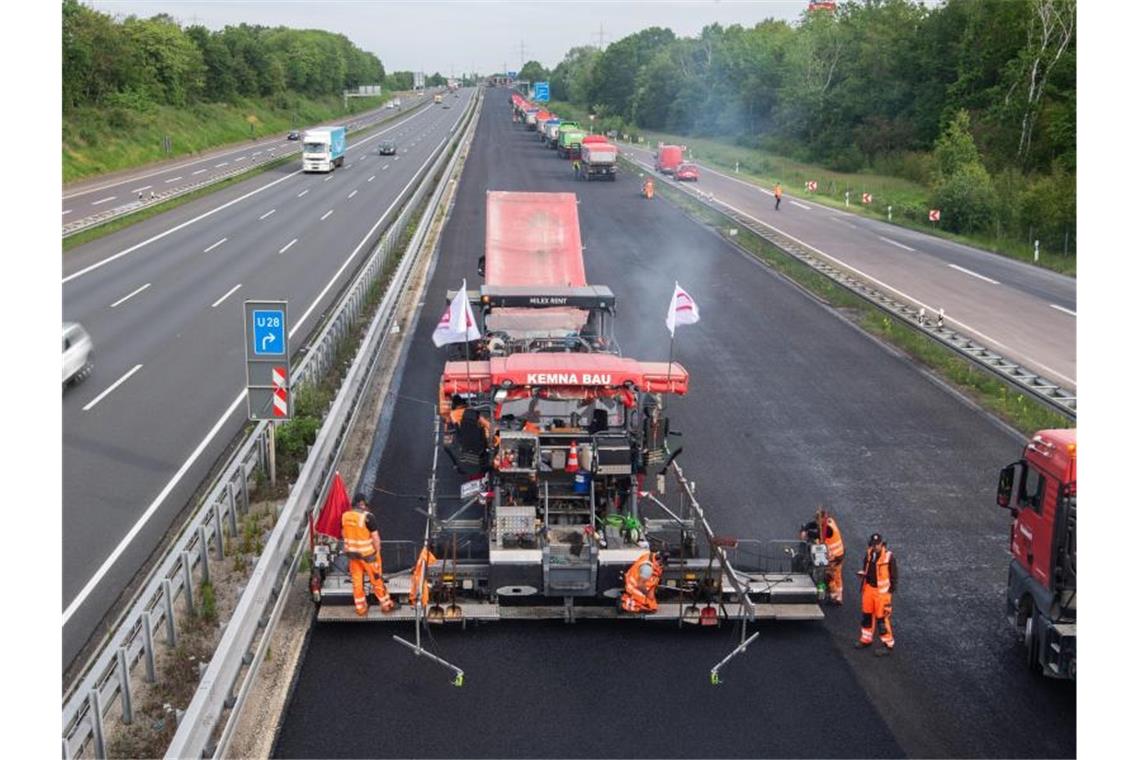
<point>91,197</point>
<point>1026,313</point>
<point>790,407</point>
<point>162,301</point>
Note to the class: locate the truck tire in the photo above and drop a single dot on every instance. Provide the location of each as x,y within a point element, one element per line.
<point>1029,640</point>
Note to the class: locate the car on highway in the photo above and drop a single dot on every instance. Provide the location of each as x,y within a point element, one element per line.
<point>294,134</point>
<point>687,173</point>
<point>386,148</point>
<point>77,352</point>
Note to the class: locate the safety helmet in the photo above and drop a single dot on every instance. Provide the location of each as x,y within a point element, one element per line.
<point>876,538</point>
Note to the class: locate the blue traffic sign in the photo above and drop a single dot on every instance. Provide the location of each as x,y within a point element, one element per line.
<point>268,332</point>
<point>542,91</point>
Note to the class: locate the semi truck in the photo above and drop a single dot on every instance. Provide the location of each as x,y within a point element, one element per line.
<point>323,148</point>
<point>668,158</point>
<point>599,159</point>
<point>1040,492</point>
<point>576,480</point>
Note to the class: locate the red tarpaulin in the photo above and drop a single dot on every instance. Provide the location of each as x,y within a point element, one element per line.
<point>336,504</point>
<point>533,239</point>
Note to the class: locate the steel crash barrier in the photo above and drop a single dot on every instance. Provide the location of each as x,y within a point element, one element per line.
<point>1021,379</point>
<point>104,687</point>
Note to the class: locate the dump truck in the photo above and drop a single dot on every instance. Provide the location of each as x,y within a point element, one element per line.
<point>577,480</point>
<point>1040,492</point>
<point>599,159</point>
<point>322,149</point>
<point>570,142</point>
<point>539,117</point>
<point>549,134</point>
<point>668,158</point>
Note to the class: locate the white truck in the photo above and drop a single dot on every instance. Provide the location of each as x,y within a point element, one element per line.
<point>323,149</point>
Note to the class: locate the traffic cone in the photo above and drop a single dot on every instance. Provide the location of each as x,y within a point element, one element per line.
<point>572,461</point>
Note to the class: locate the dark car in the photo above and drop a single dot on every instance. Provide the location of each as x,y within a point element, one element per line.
<point>294,135</point>
<point>386,148</point>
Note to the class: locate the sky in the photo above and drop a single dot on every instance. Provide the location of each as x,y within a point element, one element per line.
<point>480,35</point>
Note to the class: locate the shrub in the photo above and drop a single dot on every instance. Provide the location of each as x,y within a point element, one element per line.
<point>295,436</point>
<point>967,200</point>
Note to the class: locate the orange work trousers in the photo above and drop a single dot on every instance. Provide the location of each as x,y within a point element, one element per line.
<point>877,609</point>
<point>835,580</point>
<point>358,568</point>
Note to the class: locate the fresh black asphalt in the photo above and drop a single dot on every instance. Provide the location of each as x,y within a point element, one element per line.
<point>790,407</point>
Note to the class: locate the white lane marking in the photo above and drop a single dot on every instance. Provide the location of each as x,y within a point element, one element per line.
<point>111,387</point>
<point>1070,312</point>
<point>140,189</point>
<point>327,214</point>
<point>372,178</point>
<point>66,212</point>
<point>215,245</point>
<point>268,213</point>
<point>172,179</point>
<point>240,158</point>
<point>302,193</point>
<point>963,270</point>
<point>200,171</point>
<point>113,557</point>
<point>174,229</point>
<point>288,245</point>
<point>352,193</point>
<point>229,293</point>
<point>797,203</point>
<point>258,153</point>
<point>131,294</point>
<point>103,200</point>
<point>397,158</point>
<point>385,166</point>
<point>219,166</point>
<point>896,243</point>
<point>328,177</point>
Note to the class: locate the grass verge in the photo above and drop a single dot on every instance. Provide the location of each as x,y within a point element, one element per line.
<point>1023,412</point>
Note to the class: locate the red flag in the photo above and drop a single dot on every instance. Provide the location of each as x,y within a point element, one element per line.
<point>336,504</point>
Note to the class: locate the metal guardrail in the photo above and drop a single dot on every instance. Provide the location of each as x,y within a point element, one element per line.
<point>131,643</point>
<point>1061,400</point>
<point>102,217</point>
<point>241,651</point>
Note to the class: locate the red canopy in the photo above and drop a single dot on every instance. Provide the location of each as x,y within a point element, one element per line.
<point>336,504</point>
<point>533,239</point>
<point>564,371</point>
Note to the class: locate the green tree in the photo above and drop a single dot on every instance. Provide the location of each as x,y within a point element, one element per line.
<point>967,199</point>
<point>954,149</point>
<point>532,72</point>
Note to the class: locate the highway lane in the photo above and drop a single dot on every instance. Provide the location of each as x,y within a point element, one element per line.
<point>99,194</point>
<point>1024,312</point>
<point>790,407</point>
<point>162,404</point>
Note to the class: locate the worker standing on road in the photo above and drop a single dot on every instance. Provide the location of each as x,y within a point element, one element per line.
<point>641,581</point>
<point>577,169</point>
<point>362,545</point>
<point>647,188</point>
<point>779,193</point>
<point>830,537</point>
<point>880,576</point>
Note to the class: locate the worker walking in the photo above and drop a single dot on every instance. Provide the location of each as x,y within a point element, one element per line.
<point>362,545</point>
<point>830,537</point>
<point>880,577</point>
<point>779,193</point>
<point>641,581</point>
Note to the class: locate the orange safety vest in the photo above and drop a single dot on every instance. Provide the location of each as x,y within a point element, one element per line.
<point>881,570</point>
<point>835,543</point>
<point>357,537</point>
<point>779,191</point>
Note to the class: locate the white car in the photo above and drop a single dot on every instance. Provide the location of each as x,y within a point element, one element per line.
<point>77,352</point>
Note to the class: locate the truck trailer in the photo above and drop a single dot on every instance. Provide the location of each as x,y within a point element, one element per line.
<point>668,158</point>
<point>1040,492</point>
<point>322,149</point>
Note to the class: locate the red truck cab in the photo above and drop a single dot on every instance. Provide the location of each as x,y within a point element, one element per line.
<point>1040,491</point>
<point>668,158</point>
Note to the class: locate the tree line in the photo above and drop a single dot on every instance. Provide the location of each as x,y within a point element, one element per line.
<point>974,98</point>
<point>137,62</point>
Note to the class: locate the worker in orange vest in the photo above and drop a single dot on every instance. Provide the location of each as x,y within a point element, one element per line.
<point>421,588</point>
<point>362,545</point>
<point>833,540</point>
<point>647,188</point>
<point>641,581</point>
<point>779,193</point>
<point>880,575</point>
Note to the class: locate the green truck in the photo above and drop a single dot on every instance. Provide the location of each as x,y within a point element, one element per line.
<point>564,125</point>
<point>570,142</point>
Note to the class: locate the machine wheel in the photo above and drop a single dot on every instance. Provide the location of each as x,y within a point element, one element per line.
<point>1029,640</point>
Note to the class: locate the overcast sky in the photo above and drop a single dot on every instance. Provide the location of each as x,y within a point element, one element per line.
<point>446,36</point>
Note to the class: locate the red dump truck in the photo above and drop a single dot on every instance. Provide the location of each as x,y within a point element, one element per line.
<point>668,158</point>
<point>599,159</point>
<point>1040,491</point>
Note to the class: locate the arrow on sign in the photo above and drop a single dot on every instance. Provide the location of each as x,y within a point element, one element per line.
<point>267,339</point>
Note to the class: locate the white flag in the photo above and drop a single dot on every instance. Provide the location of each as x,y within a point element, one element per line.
<point>682,309</point>
<point>457,325</point>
